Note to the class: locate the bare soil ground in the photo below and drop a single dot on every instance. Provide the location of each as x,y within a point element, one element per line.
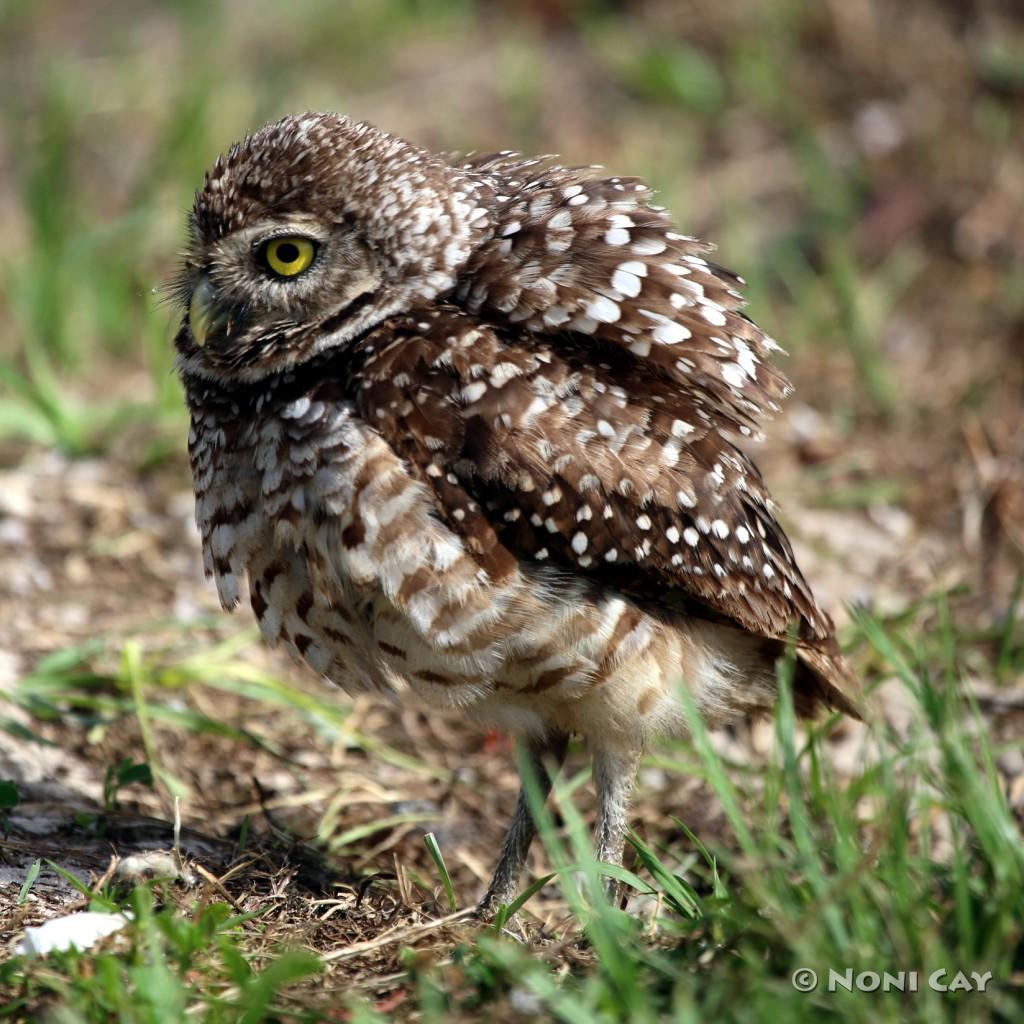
<point>97,551</point>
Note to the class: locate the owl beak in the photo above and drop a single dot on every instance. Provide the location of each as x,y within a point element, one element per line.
<point>205,317</point>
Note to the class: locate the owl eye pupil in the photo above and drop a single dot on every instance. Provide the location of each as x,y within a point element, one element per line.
<point>287,252</point>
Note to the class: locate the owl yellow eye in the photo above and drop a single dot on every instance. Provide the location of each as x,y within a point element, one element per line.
<point>289,256</point>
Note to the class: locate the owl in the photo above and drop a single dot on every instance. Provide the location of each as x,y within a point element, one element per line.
<point>473,431</point>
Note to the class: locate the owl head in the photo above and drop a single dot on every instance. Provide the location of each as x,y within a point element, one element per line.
<point>307,233</point>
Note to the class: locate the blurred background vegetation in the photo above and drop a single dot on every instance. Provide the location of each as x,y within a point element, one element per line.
<point>863,169</point>
<point>859,162</point>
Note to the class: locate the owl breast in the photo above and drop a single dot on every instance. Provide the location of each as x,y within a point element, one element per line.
<point>352,568</point>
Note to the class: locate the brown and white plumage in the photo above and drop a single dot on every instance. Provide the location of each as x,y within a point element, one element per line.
<point>485,448</point>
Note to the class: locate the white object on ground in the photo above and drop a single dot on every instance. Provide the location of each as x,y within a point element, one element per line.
<point>81,931</point>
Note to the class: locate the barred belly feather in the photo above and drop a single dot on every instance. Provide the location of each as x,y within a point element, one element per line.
<point>351,567</point>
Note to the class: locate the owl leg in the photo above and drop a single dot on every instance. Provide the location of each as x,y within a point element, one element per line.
<point>545,756</point>
<point>614,775</point>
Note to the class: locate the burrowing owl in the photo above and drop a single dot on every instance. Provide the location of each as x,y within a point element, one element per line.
<point>473,430</point>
